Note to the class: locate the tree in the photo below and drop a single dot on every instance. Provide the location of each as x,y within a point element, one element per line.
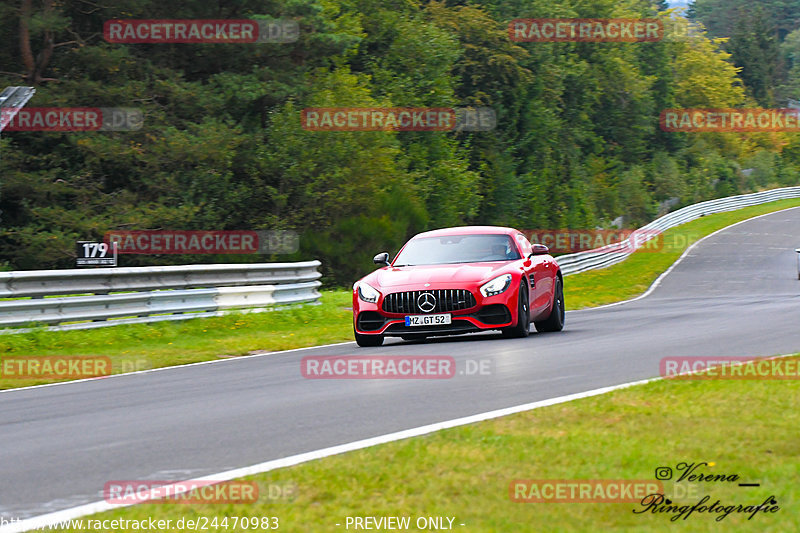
<point>43,23</point>
<point>754,48</point>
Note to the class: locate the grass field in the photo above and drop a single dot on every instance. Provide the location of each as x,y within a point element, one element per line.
<point>146,346</point>
<point>742,428</point>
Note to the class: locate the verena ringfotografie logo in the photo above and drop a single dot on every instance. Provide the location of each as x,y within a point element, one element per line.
<point>204,242</point>
<point>188,492</point>
<point>556,30</point>
<point>381,367</point>
<point>398,119</point>
<point>55,367</point>
<point>200,31</point>
<point>739,120</point>
<point>71,119</point>
<point>725,367</point>
<point>582,490</point>
<point>698,474</point>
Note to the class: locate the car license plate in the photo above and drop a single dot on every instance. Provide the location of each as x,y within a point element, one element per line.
<point>428,320</point>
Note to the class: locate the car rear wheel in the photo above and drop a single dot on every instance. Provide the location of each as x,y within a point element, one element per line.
<point>367,341</point>
<point>555,322</point>
<point>522,329</point>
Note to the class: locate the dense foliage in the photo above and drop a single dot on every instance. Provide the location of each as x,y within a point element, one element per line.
<point>764,41</point>
<point>577,142</point>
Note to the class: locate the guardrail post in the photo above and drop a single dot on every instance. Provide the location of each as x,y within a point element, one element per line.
<point>798,262</point>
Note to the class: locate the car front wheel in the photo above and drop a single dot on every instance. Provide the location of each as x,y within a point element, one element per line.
<point>522,329</point>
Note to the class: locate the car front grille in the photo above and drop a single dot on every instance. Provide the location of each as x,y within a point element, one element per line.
<point>447,300</point>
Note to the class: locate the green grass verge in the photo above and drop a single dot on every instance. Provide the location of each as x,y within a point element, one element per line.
<point>747,428</point>
<point>145,346</point>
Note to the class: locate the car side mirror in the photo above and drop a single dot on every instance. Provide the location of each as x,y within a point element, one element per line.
<point>539,249</point>
<point>381,259</point>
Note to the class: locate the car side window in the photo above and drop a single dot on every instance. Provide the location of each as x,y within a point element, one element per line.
<point>524,245</point>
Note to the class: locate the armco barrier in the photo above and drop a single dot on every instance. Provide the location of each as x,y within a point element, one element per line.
<point>38,283</point>
<point>614,253</point>
<point>159,293</point>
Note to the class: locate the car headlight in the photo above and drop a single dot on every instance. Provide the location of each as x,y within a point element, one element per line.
<point>367,293</point>
<point>496,286</point>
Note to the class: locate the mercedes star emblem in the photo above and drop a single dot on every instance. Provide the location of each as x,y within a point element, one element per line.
<point>426,302</point>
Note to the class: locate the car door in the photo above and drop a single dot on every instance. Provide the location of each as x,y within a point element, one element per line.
<point>540,275</point>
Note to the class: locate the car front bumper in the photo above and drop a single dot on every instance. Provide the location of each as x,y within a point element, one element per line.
<point>492,313</point>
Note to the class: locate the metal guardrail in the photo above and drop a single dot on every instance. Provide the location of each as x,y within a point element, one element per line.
<point>614,253</point>
<point>160,293</point>
<point>38,283</point>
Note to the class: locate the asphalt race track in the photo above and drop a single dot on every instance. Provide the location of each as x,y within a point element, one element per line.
<point>736,293</point>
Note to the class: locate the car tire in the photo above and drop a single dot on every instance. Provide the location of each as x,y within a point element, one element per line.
<point>368,341</point>
<point>522,329</point>
<point>555,322</point>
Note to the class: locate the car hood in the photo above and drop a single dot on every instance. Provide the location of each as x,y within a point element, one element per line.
<point>437,275</point>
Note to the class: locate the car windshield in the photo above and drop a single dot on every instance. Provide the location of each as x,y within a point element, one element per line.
<point>457,249</point>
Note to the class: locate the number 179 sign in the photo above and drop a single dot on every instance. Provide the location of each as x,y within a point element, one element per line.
<point>96,254</point>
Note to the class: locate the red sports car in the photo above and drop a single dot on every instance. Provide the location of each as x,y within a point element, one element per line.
<point>460,280</point>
